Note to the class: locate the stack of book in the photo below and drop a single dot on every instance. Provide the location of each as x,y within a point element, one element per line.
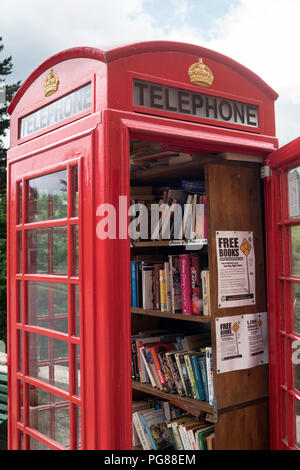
<point>174,363</point>
<point>160,425</point>
<point>179,285</point>
<point>190,198</point>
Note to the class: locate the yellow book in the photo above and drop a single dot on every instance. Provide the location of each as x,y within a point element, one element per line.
<point>163,292</point>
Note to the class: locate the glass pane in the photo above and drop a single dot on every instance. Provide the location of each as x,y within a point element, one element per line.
<point>19,218</point>
<point>78,422</point>
<point>20,346</point>
<point>48,305</point>
<point>37,445</point>
<point>74,171</point>
<point>48,360</point>
<point>295,233</point>
<point>51,417</point>
<point>47,197</point>
<point>298,423</point>
<point>20,302</point>
<point>75,251</point>
<point>47,251</point>
<point>21,440</point>
<point>19,251</point>
<point>76,309</point>
<point>294,192</point>
<point>296,303</point>
<point>77,370</point>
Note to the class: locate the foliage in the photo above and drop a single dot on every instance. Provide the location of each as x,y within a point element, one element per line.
<point>6,66</point>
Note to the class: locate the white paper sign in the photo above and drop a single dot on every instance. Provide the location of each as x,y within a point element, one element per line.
<point>236,269</point>
<point>242,341</point>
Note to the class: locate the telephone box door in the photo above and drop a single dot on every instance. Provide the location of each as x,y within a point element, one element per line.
<point>46,321</point>
<point>283,263</point>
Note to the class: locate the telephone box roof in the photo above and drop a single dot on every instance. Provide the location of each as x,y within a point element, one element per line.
<point>136,49</point>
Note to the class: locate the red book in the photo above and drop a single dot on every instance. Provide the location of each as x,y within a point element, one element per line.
<point>196,280</point>
<point>153,351</point>
<point>186,284</point>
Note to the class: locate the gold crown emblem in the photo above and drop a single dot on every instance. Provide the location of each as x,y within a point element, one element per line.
<point>200,74</point>
<point>51,83</point>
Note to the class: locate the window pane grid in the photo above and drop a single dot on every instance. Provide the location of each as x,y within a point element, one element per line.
<point>25,224</point>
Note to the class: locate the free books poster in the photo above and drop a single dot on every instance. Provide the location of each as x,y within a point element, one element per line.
<point>242,341</point>
<point>236,269</point>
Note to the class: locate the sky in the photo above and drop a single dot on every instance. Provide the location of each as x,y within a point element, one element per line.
<point>262,35</point>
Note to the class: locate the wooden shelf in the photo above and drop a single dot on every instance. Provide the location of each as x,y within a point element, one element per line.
<point>174,398</point>
<point>175,316</point>
<point>189,244</point>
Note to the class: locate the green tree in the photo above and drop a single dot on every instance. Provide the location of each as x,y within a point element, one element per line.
<point>6,66</point>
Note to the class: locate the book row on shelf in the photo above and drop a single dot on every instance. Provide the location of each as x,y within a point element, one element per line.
<point>179,284</point>
<point>174,363</point>
<point>182,211</point>
<point>159,425</point>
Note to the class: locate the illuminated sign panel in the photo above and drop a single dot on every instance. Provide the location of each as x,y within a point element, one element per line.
<point>57,111</point>
<point>176,100</point>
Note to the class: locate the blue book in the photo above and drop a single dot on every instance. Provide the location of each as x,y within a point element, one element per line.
<point>133,285</point>
<point>202,364</point>
<point>197,375</point>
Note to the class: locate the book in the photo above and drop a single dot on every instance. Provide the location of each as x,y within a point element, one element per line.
<point>201,435</point>
<point>156,289</point>
<point>186,284</point>
<point>155,350</point>
<point>184,374</point>
<point>133,284</point>
<point>197,375</point>
<point>147,283</point>
<point>202,366</point>
<point>171,359</point>
<point>162,290</point>
<point>155,426</point>
<point>175,283</point>
<point>210,441</point>
<point>143,437</point>
<point>210,377</point>
<point>137,406</point>
<point>206,292</point>
<point>196,287</point>
<point>168,286</point>
<point>187,359</point>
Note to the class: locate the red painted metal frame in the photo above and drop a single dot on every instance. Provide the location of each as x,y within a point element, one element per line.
<point>100,142</point>
<point>283,393</point>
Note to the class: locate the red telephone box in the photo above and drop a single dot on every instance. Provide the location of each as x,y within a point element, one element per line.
<point>73,123</point>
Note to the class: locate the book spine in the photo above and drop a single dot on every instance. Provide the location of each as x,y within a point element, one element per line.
<point>186,286</point>
<point>163,384</point>
<point>167,284</point>
<point>142,353</point>
<point>156,287</point>
<point>175,282</point>
<point>140,431</point>
<point>133,285</point>
<point>202,364</point>
<point>195,282</point>
<point>191,376</point>
<point>163,295</point>
<point>197,376</point>
<point>147,276</point>
<point>147,430</point>
<point>188,386</point>
<point>175,373</point>
<point>209,369</point>
<point>139,290</point>
<point>205,292</point>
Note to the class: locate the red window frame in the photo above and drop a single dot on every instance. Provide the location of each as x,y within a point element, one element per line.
<point>23,328</point>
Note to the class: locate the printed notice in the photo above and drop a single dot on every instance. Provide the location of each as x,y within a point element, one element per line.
<point>236,269</point>
<point>242,342</point>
